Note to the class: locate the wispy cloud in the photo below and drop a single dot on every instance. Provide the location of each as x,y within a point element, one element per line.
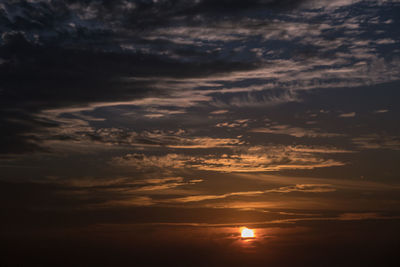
<point>294,131</point>
<point>359,216</point>
<point>77,133</point>
<point>234,124</point>
<point>305,188</point>
<point>220,111</point>
<point>376,141</point>
<point>256,159</point>
<point>140,201</point>
<point>347,115</point>
<point>379,111</point>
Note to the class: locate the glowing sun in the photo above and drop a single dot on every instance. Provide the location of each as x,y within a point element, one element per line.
<point>247,233</point>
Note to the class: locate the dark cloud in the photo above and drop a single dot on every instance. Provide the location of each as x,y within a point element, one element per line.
<point>43,57</point>
<point>65,53</point>
<point>135,14</point>
<point>35,77</point>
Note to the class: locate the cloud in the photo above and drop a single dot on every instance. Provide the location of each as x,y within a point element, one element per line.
<point>294,131</point>
<point>262,163</point>
<point>376,141</point>
<point>385,41</point>
<point>124,184</point>
<point>64,55</point>
<point>150,185</point>
<point>141,201</point>
<point>77,132</point>
<point>359,216</point>
<point>305,188</point>
<point>82,78</point>
<point>118,191</point>
<point>379,111</point>
<point>253,96</point>
<point>172,139</point>
<point>159,112</point>
<point>332,5</point>
<point>319,149</point>
<point>347,115</point>
<point>144,162</point>
<point>220,111</point>
<point>255,159</point>
<point>234,124</point>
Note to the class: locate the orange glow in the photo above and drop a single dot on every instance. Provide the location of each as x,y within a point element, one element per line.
<point>247,233</point>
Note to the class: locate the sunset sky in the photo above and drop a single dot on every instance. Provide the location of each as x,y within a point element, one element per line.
<point>148,132</point>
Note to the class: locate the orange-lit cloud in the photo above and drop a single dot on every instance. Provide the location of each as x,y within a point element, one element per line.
<point>294,131</point>
<point>255,159</point>
<point>133,201</point>
<point>348,115</point>
<point>306,188</point>
<point>82,134</point>
<point>236,123</point>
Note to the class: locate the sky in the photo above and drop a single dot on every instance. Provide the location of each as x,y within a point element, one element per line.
<point>147,132</point>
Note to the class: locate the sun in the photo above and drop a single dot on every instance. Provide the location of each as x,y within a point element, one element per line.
<point>247,233</point>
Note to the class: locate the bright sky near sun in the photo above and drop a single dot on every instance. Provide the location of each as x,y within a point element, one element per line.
<point>247,233</point>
